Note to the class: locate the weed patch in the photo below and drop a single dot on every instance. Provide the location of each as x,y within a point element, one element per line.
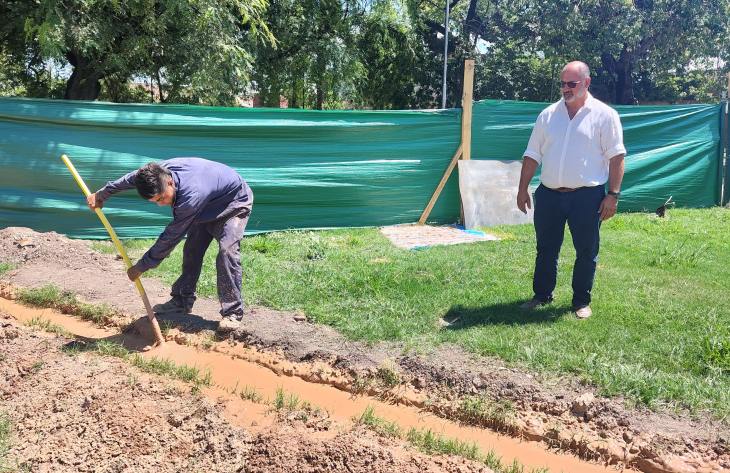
<point>66,302</point>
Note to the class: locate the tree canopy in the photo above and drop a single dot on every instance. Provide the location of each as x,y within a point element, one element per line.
<point>381,54</point>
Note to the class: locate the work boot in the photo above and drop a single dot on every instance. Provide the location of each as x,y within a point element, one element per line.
<point>173,305</point>
<point>533,304</point>
<point>583,312</point>
<point>229,323</point>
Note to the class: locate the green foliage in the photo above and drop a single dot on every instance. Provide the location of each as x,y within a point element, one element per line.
<point>384,54</point>
<point>193,50</point>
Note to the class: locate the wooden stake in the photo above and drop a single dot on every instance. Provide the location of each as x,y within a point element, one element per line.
<point>440,187</point>
<point>466,104</point>
<point>725,161</point>
<point>464,149</point>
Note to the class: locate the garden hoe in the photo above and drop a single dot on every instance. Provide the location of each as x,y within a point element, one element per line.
<point>159,339</point>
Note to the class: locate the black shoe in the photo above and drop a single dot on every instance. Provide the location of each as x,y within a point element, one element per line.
<point>173,305</point>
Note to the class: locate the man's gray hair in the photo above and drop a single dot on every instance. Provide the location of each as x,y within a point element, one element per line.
<point>582,67</point>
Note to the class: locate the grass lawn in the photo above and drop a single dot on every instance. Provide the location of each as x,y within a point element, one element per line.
<point>660,333</point>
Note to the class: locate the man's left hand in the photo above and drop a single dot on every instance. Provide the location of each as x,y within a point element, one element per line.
<point>133,273</point>
<point>608,207</point>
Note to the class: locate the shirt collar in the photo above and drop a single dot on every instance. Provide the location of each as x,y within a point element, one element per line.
<point>588,105</point>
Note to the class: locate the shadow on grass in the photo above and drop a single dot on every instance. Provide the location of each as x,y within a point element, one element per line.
<point>460,317</point>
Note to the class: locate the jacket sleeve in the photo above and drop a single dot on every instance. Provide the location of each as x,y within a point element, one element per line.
<point>112,187</point>
<point>168,240</point>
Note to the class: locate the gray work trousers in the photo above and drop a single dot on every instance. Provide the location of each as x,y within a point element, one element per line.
<point>228,233</point>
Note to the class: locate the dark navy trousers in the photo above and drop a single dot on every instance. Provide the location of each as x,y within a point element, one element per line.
<point>579,209</point>
<point>228,233</point>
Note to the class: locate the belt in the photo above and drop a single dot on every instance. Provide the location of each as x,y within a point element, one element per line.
<point>565,189</point>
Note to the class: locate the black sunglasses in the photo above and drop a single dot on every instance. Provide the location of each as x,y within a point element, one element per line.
<point>572,84</point>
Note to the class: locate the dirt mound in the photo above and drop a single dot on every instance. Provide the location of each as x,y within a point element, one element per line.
<point>89,413</point>
<point>22,245</point>
<point>355,451</point>
<point>85,412</point>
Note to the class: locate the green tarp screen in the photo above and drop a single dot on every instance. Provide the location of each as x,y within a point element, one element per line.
<point>312,169</point>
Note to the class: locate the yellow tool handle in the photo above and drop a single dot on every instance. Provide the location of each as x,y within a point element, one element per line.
<point>118,244</point>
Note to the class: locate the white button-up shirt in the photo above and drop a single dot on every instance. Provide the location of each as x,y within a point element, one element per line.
<point>576,153</point>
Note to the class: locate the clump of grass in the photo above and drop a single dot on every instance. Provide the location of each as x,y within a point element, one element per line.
<point>388,374</point>
<point>480,410</point>
<point>315,247</point>
<point>435,444</point>
<point>66,302</point>
<point>165,326</point>
<point>715,353</point>
<point>360,384</point>
<point>378,424</point>
<point>264,244</point>
<point>48,326</point>
<point>5,267</point>
<point>249,393</point>
<point>293,407</point>
<point>287,402</point>
<point>165,367</point>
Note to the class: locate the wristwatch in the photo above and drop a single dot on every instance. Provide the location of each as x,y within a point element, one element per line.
<point>615,194</point>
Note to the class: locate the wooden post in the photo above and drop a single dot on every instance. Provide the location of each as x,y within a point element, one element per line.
<point>725,145</point>
<point>464,149</point>
<point>466,103</point>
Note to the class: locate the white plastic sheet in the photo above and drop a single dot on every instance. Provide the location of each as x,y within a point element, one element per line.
<point>489,193</point>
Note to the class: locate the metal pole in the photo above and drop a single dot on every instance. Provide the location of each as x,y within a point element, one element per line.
<point>446,54</point>
<point>725,144</point>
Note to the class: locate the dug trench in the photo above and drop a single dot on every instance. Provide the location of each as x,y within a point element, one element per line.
<point>448,390</point>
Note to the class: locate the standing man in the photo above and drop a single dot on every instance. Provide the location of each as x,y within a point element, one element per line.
<point>579,143</point>
<point>209,200</point>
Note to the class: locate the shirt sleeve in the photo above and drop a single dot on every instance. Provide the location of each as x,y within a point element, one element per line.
<point>168,240</point>
<point>112,187</point>
<point>612,137</point>
<point>534,146</point>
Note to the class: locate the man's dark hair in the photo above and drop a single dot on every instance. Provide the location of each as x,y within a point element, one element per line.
<point>151,179</point>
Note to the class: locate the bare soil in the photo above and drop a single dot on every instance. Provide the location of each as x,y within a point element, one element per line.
<point>560,411</point>
<point>85,412</point>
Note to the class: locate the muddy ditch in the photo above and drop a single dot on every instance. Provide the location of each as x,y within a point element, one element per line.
<point>86,412</point>
<point>560,413</point>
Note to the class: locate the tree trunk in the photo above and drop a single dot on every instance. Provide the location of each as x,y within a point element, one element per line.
<point>84,83</point>
<point>624,79</point>
<point>320,97</point>
<point>293,100</point>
